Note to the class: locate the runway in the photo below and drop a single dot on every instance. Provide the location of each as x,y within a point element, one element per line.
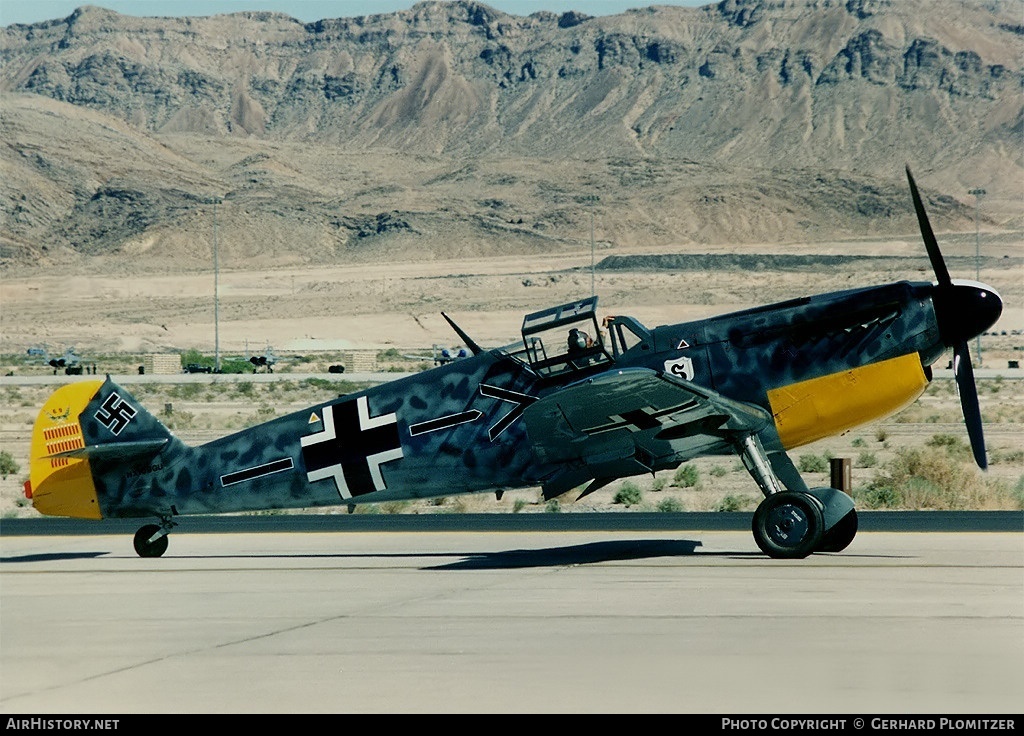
<point>519,622</point>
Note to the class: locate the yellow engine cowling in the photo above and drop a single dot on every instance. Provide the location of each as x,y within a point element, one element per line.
<point>829,405</point>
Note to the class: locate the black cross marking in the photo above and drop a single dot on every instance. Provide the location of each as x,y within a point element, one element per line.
<point>115,413</point>
<point>521,401</point>
<point>352,447</point>
<point>639,420</point>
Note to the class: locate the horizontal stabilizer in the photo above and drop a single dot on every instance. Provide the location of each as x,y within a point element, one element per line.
<point>124,450</point>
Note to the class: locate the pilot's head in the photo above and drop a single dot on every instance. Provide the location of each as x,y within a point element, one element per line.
<point>577,339</point>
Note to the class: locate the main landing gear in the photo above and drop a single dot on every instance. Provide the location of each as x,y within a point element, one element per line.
<point>151,540</point>
<point>792,524</point>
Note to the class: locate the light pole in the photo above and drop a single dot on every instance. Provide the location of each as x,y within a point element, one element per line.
<point>592,289</point>
<point>978,194</point>
<point>216,296</point>
<point>591,199</point>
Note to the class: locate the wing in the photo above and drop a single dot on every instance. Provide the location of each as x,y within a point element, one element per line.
<point>627,422</point>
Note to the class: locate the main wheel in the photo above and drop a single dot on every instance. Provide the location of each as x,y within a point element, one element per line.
<point>145,548</point>
<point>839,537</point>
<point>788,525</point>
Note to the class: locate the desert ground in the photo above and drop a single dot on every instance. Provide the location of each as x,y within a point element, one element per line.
<point>112,316</point>
<point>101,305</point>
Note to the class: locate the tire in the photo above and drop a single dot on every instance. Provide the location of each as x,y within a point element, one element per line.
<point>145,548</point>
<point>788,525</point>
<point>839,536</point>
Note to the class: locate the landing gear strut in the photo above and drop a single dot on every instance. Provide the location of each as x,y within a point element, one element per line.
<point>151,540</point>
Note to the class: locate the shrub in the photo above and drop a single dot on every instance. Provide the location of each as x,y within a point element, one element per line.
<point>867,460</point>
<point>733,503</point>
<point>813,464</point>
<point>1005,456</point>
<point>628,494</point>
<point>185,391</point>
<point>930,478</point>
<point>180,420</point>
<point>687,476</point>
<point>879,496</point>
<point>952,445</point>
<point>670,505</point>
<point>718,470</point>
<point>8,465</point>
<point>553,507</point>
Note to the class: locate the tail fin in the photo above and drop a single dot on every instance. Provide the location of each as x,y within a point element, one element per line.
<point>79,425</point>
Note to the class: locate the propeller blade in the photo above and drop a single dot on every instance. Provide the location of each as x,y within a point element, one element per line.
<point>968,392</point>
<point>930,243</point>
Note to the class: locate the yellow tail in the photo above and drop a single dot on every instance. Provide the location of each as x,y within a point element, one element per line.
<point>60,484</point>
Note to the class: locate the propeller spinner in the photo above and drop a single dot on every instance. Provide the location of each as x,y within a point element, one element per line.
<point>963,309</point>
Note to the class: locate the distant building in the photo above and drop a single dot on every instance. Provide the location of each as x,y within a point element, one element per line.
<point>360,361</point>
<point>161,364</point>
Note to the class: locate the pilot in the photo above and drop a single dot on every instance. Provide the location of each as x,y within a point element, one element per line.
<point>579,341</point>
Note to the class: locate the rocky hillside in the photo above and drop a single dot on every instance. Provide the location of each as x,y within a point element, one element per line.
<point>453,128</point>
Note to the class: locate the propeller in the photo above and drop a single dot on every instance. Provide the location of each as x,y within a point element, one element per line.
<point>963,310</point>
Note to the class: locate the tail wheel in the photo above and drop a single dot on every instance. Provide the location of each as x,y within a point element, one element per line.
<point>146,548</point>
<point>788,525</point>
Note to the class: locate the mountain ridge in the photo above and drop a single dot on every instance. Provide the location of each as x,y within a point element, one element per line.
<point>427,131</point>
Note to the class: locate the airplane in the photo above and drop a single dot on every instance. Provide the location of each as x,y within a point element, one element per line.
<point>266,360</point>
<point>577,404</point>
<point>70,362</point>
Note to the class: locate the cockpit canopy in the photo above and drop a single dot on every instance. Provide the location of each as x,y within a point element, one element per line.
<point>570,338</point>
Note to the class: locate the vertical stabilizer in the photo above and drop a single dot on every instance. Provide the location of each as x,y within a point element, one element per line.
<point>80,426</point>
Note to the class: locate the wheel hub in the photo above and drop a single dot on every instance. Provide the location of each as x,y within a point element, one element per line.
<point>787,525</point>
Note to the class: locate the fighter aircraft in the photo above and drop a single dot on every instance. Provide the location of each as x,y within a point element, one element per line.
<point>573,406</point>
<point>266,360</point>
<point>70,363</point>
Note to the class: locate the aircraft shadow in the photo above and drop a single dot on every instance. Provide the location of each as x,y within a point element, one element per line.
<point>53,556</point>
<point>583,554</point>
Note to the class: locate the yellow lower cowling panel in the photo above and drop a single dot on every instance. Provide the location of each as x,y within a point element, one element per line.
<point>62,486</point>
<point>829,405</point>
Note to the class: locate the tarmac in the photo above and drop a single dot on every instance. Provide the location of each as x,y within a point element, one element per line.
<point>622,621</point>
